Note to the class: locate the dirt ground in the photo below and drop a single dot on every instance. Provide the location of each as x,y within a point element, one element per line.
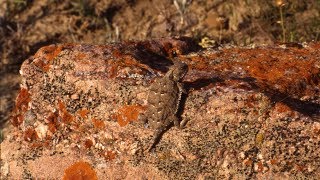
<point>27,25</point>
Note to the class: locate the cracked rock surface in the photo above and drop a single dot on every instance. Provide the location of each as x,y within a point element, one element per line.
<point>252,112</point>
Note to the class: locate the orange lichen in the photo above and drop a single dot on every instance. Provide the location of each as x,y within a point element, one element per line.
<point>200,63</point>
<point>316,130</point>
<point>250,101</point>
<point>83,113</point>
<point>21,107</point>
<point>23,99</point>
<point>248,162</point>
<point>67,117</point>
<point>128,113</point>
<point>30,134</point>
<point>80,170</point>
<point>273,161</point>
<point>42,64</point>
<point>36,145</point>
<point>80,56</point>
<point>53,122</point>
<point>300,168</point>
<point>260,166</point>
<point>126,61</point>
<point>116,53</point>
<point>49,53</point>
<point>64,114</point>
<point>61,106</point>
<point>281,69</point>
<point>284,70</point>
<point>88,143</point>
<point>99,124</point>
<point>40,144</point>
<point>109,155</point>
<point>113,70</point>
<point>281,107</point>
<point>47,143</point>
<point>131,62</point>
<point>17,120</point>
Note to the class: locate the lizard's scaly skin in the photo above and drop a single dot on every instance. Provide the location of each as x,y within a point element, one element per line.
<point>163,101</point>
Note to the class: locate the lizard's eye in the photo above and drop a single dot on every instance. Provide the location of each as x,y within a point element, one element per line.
<point>179,73</point>
<point>174,53</point>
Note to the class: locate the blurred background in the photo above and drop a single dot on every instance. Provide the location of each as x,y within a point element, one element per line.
<point>27,25</point>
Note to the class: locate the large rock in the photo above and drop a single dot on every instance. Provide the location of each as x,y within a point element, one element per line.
<point>253,112</point>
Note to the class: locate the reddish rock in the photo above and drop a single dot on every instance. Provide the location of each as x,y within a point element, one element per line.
<point>253,112</point>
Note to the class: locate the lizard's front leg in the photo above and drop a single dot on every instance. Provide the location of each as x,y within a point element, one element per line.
<point>179,124</point>
<point>144,119</point>
<point>181,88</point>
<point>176,121</point>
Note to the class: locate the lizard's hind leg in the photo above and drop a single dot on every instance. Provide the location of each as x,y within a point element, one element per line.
<point>176,121</point>
<point>179,124</point>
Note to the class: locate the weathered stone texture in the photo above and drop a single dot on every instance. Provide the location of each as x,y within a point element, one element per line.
<point>251,111</point>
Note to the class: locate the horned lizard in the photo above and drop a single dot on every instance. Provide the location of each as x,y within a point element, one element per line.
<point>163,102</point>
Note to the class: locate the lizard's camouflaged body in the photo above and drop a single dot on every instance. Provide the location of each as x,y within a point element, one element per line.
<point>163,101</point>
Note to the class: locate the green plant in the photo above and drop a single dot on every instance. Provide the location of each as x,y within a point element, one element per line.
<point>281,4</point>
<point>1,136</point>
<point>83,7</point>
<point>181,6</point>
<point>15,6</point>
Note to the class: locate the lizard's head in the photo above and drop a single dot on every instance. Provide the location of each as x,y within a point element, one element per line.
<point>179,70</point>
